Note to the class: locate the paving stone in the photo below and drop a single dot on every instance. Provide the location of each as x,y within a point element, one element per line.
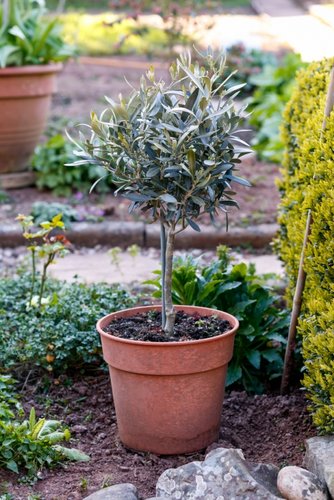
<point>296,483</point>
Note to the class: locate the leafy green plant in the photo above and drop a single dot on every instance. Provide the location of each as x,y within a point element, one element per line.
<point>173,151</point>
<point>8,399</point>
<point>49,164</point>
<point>60,335</point>
<point>274,88</point>
<point>26,37</point>
<point>248,62</point>
<point>260,343</point>
<point>32,444</point>
<point>49,247</point>
<point>307,183</point>
<point>42,211</point>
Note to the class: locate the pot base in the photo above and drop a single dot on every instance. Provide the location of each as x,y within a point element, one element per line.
<point>18,180</point>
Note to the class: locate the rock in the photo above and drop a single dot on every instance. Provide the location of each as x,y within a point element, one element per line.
<point>125,491</point>
<point>79,429</point>
<point>319,459</point>
<point>296,483</point>
<point>224,474</point>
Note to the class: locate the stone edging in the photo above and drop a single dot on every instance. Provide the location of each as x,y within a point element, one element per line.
<point>123,234</point>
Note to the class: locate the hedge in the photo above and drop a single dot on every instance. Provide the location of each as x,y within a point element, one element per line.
<point>308,182</point>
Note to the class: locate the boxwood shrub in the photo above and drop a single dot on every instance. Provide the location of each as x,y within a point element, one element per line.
<point>308,180</point>
<point>60,335</point>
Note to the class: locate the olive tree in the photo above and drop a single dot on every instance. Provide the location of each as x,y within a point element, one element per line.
<point>172,149</point>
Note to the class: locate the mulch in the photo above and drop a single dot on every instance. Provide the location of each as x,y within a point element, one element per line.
<point>268,428</point>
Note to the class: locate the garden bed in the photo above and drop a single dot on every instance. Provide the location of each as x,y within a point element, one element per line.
<point>268,428</point>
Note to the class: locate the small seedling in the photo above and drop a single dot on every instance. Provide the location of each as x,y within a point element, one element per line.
<point>46,246</point>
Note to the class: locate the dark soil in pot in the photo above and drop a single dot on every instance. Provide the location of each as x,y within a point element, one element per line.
<point>147,327</point>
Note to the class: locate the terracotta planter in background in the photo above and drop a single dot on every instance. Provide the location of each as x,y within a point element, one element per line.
<point>25,98</point>
<point>168,396</point>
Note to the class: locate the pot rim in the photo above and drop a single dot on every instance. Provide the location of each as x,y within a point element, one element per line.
<point>53,67</point>
<point>229,317</point>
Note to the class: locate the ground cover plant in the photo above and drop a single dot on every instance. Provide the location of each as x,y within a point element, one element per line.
<point>45,322</point>
<point>308,184</point>
<point>26,38</point>
<point>260,343</point>
<point>29,444</point>
<point>60,334</point>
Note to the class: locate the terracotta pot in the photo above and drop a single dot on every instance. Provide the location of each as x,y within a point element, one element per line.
<point>168,395</point>
<point>25,98</point>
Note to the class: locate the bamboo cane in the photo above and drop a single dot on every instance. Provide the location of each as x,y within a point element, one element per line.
<point>301,279</point>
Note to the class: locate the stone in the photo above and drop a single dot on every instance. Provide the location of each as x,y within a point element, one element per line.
<point>124,491</point>
<point>319,459</point>
<point>296,483</point>
<point>223,475</point>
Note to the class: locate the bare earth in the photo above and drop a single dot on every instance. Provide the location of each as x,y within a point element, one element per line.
<point>268,428</point>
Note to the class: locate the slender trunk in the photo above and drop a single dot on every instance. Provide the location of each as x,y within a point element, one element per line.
<point>43,279</point>
<point>297,304</point>
<point>163,273</point>
<point>33,278</point>
<point>170,313</point>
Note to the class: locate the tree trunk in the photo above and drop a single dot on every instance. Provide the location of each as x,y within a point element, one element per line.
<point>163,273</point>
<point>170,313</point>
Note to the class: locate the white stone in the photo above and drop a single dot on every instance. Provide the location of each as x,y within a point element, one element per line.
<point>212,478</point>
<point>125,491</point>
<point>319,459</point>
<point>295,483</point>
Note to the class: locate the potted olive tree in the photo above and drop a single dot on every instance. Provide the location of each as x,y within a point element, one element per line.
<point>172,150</point>
<point>31,49</point>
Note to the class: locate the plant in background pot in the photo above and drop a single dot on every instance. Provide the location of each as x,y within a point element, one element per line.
<point>172,150</point>
<point>31,49</point>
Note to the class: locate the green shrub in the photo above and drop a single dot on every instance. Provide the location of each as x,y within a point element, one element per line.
<point>236,289</point>
<point>33,444</point>
<point>8,399</point>
<point>59,335</point>
<point>308,179</point>
<point>274,87</point>
<point>51,172</point>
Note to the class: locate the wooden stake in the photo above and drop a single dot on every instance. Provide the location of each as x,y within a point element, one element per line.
<point>301,279</point>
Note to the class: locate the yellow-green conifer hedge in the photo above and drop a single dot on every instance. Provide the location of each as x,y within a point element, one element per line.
<point>308,182</point>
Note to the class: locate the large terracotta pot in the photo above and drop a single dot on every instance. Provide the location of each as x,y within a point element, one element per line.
<point>25,98</point>
<point>168,396</point>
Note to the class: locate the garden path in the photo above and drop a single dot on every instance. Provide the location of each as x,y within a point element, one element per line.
<point>306,31</point>
<point>98,266</point>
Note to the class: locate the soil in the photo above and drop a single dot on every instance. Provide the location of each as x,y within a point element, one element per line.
<point>268,428</point>
<point>147,327</point>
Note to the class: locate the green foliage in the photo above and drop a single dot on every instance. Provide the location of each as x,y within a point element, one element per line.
<point>107,34</point>
<point>49,163</point>
<point>8,399</point>
<point>59,335</point>
<point>45,247</point>
<point>42,211</point>
<point>308,178</point>
<point>33,444</point>
<point>247,63</point>
<point>26,38</point>
<point>172,149</point>
<point>236,289</point>
<point>274,87</point>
